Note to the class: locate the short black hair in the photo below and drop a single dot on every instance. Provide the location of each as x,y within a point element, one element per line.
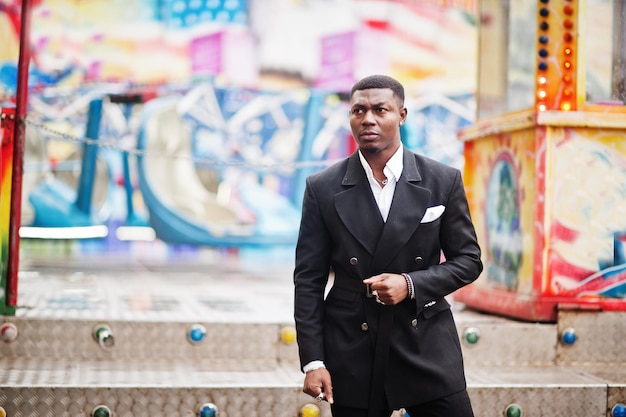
<point>380,81</point>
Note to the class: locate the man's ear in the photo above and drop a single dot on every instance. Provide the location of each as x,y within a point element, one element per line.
<point>403,114</point>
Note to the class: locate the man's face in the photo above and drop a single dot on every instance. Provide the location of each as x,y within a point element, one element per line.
<point>375,119</point>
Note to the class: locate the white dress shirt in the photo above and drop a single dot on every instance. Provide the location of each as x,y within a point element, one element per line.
<point>392,170</point>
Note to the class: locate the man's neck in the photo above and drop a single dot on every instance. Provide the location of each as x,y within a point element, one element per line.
<point>378,160</point>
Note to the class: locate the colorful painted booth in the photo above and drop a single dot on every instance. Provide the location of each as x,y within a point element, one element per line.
<point>545,163</point>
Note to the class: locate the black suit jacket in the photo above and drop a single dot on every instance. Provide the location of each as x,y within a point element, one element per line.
<point>342,234</point>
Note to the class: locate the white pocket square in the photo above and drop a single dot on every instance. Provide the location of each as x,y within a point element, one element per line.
<point>433,213</point>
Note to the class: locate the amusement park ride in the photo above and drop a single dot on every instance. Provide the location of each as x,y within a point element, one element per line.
<point>542,329</point>
<point>546,161</point>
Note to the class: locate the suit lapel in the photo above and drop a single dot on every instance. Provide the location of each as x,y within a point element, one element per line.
<point>357,208</point>
<point>409,204</point>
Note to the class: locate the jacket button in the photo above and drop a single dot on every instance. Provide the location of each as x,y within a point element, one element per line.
<point>365,327</point>
<point>354,261</point>
<point>414,323</point>
<point>418,260</point>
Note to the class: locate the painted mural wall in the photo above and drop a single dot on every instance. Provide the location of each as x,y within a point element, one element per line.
<point>549,204</point>
<point>258,88</point>
<point>588,236</point>
<point>502,190</point>
<point>429,44</point>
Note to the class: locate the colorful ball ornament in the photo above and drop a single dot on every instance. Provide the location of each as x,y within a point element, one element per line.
<point>208,410</point>
<point>101,411</point>
<point>196,334</point>
<point>288,335</point>
<point>310,410</point>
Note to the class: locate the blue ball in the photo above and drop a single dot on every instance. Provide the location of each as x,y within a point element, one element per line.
<point>197,333</point>
<point>619,410</point>
<point>208,410</point>
<point>569,336</point>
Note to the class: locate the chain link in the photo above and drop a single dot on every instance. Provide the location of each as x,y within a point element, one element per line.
<point>115,145</point>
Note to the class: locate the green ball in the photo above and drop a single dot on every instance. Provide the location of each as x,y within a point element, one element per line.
<point>101,411</point>
<point>472,335</point>
<point>513,410</point>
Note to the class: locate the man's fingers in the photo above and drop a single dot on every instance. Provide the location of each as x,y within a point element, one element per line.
<point>388,288</point>
<point>317,384</point>
<point>328,393</point>
<point>313,391</point>
<point>374,279</point>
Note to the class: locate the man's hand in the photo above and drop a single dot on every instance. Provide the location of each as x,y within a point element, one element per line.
<point>391,288</point>
<point>318,381</point>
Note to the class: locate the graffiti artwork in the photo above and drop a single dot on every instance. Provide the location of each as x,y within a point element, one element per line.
<point>589,219</point>
<point>504,235</point>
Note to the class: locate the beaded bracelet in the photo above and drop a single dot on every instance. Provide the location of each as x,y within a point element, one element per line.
<point>409,284</point>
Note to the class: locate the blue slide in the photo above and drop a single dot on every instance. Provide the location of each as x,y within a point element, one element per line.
<point>183,210</point>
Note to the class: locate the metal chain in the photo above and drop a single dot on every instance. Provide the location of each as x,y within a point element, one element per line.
<point>115,145</point>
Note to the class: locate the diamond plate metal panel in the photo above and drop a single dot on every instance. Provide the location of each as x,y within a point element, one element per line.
<point>552,401</point>
<point>162,373</point>
<point>244,366</point>
<point>508,343</point>
<point>599,337</point>
<point>540,376</point>
<point>539,391</point>
<point>242,346</point>
<point>154,402</point>
<point>616,395</point>
<point>162,387</point>
<point>614,376</point>
<point>213,294</point>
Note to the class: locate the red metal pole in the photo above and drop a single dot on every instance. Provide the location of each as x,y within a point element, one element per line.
<point>18,155</point>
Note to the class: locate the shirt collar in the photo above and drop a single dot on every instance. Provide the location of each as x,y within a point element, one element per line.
<point>394,165</point>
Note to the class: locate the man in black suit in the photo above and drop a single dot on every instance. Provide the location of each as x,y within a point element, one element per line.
<point>377,222</point>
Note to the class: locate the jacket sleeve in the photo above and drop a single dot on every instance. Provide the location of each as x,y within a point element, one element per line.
<point>462,264</point>
<point>312,268</point>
